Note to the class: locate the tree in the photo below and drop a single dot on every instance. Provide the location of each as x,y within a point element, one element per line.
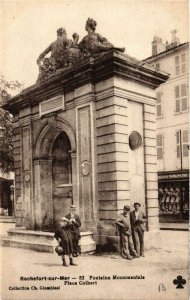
<point>6,144</point>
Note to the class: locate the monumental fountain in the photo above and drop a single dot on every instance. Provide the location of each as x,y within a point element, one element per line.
<point>84,134</point>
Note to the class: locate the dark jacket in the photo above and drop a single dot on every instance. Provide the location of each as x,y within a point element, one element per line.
<point>74,227</point>
<point>136,224</point>
<point>123,224</point>
<point>64,234</point>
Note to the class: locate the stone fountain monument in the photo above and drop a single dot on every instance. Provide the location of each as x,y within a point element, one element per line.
<point>85,134</point>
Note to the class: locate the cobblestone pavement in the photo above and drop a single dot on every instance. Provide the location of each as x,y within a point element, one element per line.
<point>159,268</point>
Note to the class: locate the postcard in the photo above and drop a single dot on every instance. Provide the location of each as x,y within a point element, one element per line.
<point>94,150</point>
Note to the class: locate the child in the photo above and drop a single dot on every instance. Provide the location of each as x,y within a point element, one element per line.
<point>63,236</point>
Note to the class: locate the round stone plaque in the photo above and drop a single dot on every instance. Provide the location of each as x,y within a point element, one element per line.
<point>85,168</point>
<point>27,176</point>
<point>135,140</point>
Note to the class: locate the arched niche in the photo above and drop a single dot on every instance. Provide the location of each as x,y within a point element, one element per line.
<point>48,135</point>
<point>55,154</point>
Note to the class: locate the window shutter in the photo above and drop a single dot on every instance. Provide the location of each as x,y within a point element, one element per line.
<point>177,60</point>
<point>158,97</point>
<point>185,150</point>
<point>183,90</point>
<point>177,91</point>
<point>159,140</point>
<point>183,68</point>
<point>159,153</point>
<point>177,107</point>
<point>158,110</point>
<point>177,137</point>
<point>183,57</point>
<point>185,136</point>
<point>184,104</point>
<point>178,151</point>
<point>178,143</point>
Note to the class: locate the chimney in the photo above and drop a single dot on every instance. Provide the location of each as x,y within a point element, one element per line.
<point>175,39</point>
<point>157,46</point>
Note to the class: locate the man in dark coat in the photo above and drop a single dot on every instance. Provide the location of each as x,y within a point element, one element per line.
<point>126,241</point>
<point>138,228</point>
<point>74,225</point>
<point>64,237</point>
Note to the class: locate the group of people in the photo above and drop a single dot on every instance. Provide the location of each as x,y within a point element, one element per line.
<point>68,234</point>
<point>131,227</point>
<point>131,230</point>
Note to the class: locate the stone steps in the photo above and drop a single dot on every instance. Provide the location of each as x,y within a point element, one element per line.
<point>6,219</point>
<point>43,241</point>
<point>17,243</point>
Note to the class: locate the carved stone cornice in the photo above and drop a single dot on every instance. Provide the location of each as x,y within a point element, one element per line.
<point>94,70</point>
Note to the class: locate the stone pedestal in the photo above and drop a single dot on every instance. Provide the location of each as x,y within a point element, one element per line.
<point>86,242</point>
<point>97,106</point>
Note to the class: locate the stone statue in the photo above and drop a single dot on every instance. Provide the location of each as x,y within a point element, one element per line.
<point>46,69</point>
<point>94,43</point>
<point>64,53</point>
<point>68,53</point>
<point>73,52</point>
<point>57,49</point>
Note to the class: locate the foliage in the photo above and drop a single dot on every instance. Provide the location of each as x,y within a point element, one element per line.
<point>6,141</point>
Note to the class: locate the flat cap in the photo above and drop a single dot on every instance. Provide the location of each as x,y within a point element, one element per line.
<point>64,219</point>
<point>73,206</point>
<point>137,203</point>
<point>126,207</point>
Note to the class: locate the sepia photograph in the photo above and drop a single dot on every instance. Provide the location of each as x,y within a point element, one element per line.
<point>94,150</point>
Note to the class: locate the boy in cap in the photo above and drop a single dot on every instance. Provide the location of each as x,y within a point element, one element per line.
<point>126,241</point>
<point>63,236</point>
<point>138,228</point>
<point>74,224</point>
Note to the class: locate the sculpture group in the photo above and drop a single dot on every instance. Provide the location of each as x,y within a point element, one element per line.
<point>66,52</point>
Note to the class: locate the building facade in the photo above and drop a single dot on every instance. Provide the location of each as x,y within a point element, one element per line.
<point>172,129</point>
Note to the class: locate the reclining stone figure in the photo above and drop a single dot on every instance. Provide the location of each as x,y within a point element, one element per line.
<point>94,43</point>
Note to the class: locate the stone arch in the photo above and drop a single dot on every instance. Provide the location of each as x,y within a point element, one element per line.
<point>48,135</point>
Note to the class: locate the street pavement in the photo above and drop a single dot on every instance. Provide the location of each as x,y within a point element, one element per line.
<point>159,268</point>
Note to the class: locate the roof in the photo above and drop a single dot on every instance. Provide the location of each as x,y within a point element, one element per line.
<point>91,70</point>
<point>165,52</point>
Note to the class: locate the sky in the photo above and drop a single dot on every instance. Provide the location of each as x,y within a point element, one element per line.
<point>28,27</point>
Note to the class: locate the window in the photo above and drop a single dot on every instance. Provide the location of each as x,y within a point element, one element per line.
<point>159,109</point>
<point>159,144</point>
<point>185,142</point>
<point>180,64</point>
<point>178,143</point>
<point>177,65</point>
<point>182,143</point>
<point>183,63</point>
<point>181,98</point>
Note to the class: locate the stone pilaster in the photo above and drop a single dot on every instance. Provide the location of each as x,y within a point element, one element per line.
<point>85,174</point>
<point>27,175</point>
<point>74,178</point>
<point>17,144</point>
<point>112,160</point>
<point>151,184</point>
<point>43,194</point>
